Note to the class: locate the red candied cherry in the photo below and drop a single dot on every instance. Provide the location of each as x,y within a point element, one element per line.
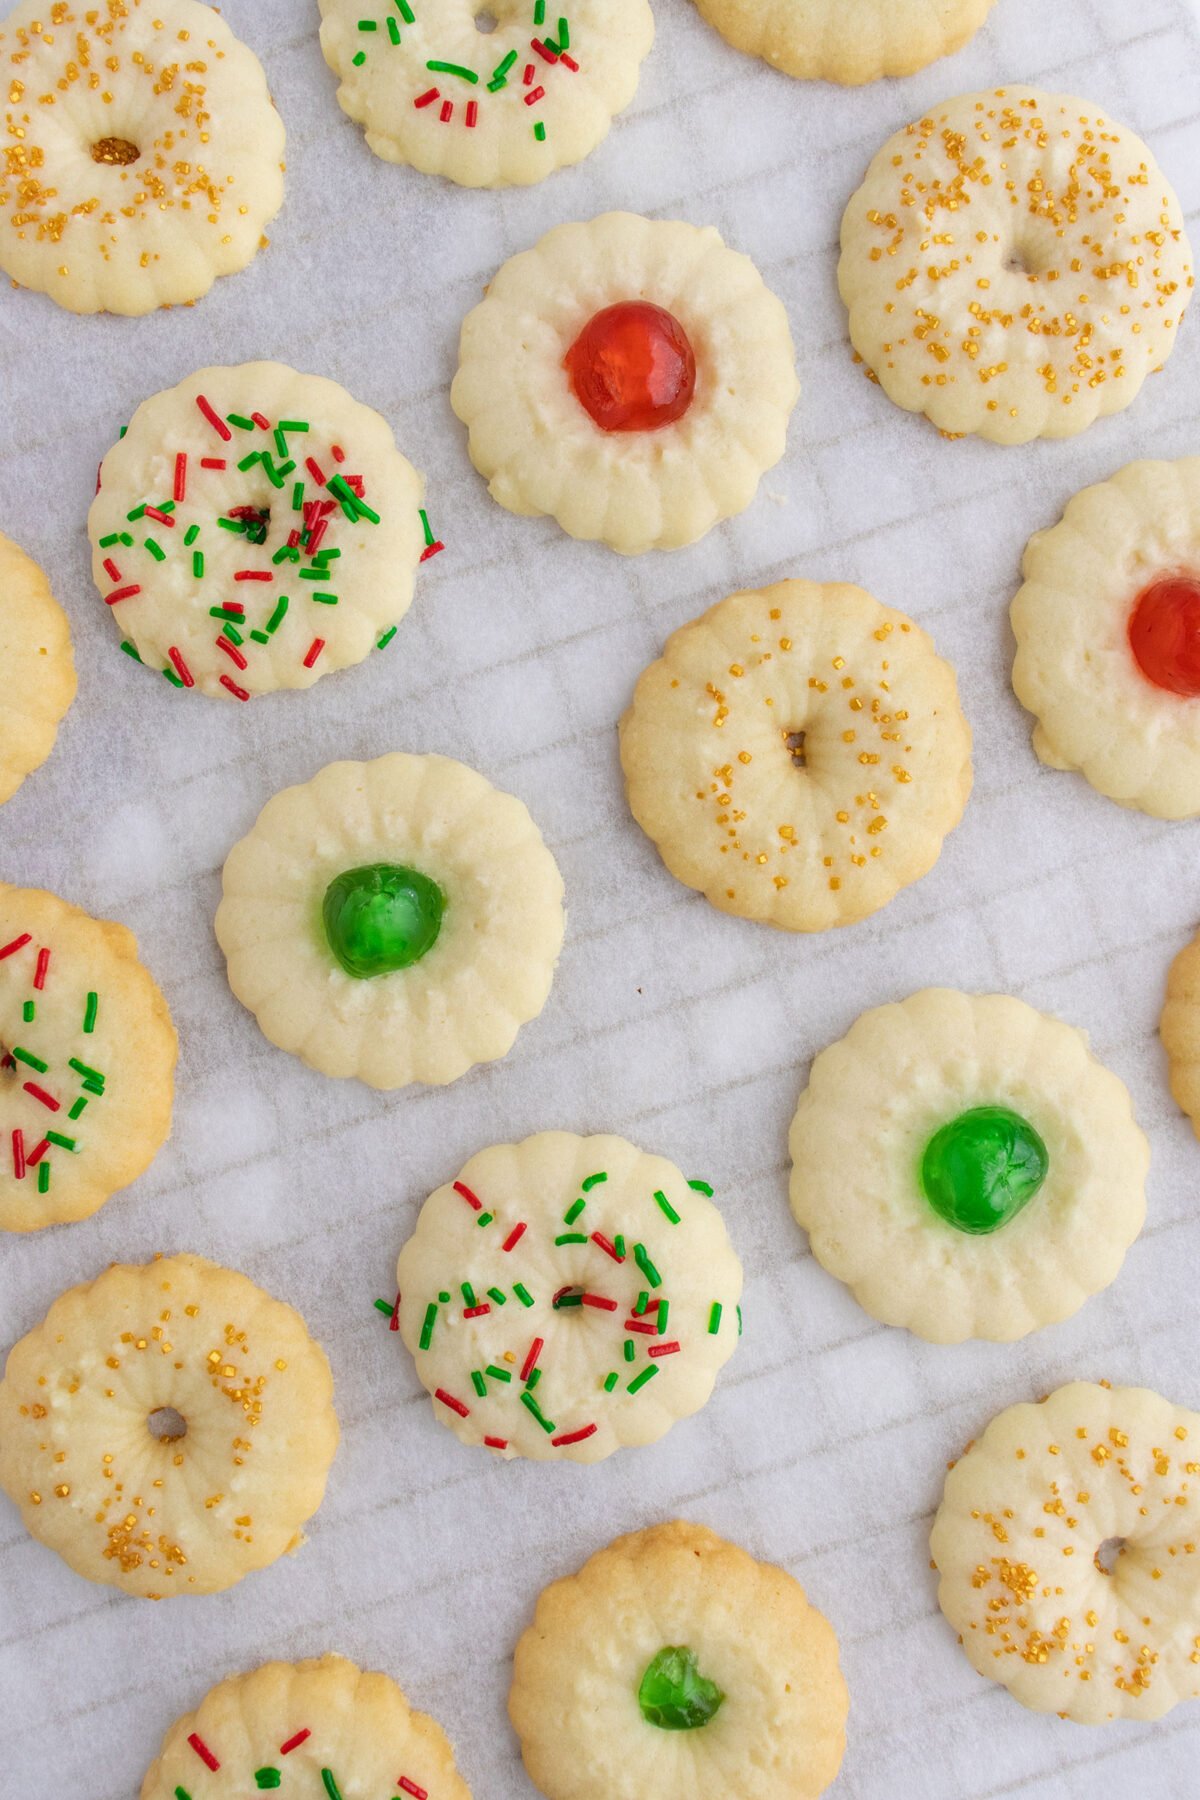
<point>632,367</point>
<point>1164,634</point>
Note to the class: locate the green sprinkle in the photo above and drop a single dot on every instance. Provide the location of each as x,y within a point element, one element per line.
<point>173,678</point>
<point>43,1177</point>
<point>64,1143</point>
<point>106,543</point>
<point>28,1012</point>
<point>642,1259</point>
<point>137,513</point>
<point>664,1307</point>
<point>639,1381</point>
<point>156,550</point>
<point>573,1212</point>
<point>539,132</point>
<point>314,574</point>
<point>95,1087</point>
<point>386,639</point>
<point>298,496</point>
<point>406,12</point>
<point>198,564</point>
<point>368,25</point>
<point>182,1794</point>
<point>564,35</point>
<point>714,1319</point>
<point>739,1314</point>
<point>90,1011</point>
<point>444,1298</point>
<point>496,83</point>
<point>643,1301</point>
<point>468,1294</point>
<point>268,1778</point>
<point>277,617</point>
<point>523,1294</point>
<point>527,1400</point>
<point>324,599</point>
<point>610,1382</point>
<point>286,553</point>
<point>340,488</point>
<point>167,506</point>
<point>238,525</point>
<point>445,68</point>
<point>129,650</point>
<point>281,443</point>
<point>498,1295</point>
<point>498,73</point>
<point>78,1107</point>
<point>223,612</point>
<point>569,1299</point>
<point>479,1384</point>
<point>619,1245</point>
<point>331,1786</point>
<point>701,1187</point>
<point>630,1349</point>
<point>539,12</point>
<point>232,633</point>
<point>260,637</point>
<point>33,1062</point>
<point>81,1068</point>
<point>571,1237</point>
<point>384,1306</point>
<point>666,1206</point>
<point>534,1378</point>
<point>293,425</point>
<point>241,423</point>
<point>499,1374</point>
<point>592,1181</point>
<point>426,1337</point>
<point>190,536</point>
<point>248,462</point>
<point>393,30</point>
<point>485,1219</point>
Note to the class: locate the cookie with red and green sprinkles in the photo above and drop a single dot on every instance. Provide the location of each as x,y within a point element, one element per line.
<point>255,528</point>
<point>87,1061</point>
<point>498,96</point>
<point>322,1729</point>
<point>567,1296</point>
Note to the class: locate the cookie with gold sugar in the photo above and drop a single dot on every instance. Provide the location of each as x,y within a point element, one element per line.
<point>1014,265</point>
<point>320,1728</point>
<point>798,754</point>
<point>167,1428</point>
<point>37,668</point>
<point>966,1166</point>
<point>847,41</point>
<point>146,156</point>
<point>1065,1548</point>
<point>674,1663</point>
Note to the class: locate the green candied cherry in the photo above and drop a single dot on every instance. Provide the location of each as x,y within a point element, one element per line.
<point>381,918</point>
<point>674,1694</point>
<point>982,1167</point>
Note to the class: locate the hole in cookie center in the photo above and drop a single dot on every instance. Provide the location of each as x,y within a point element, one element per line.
<point>118,152</point>
<point>165,1424</point>
<point>256,519</point>
<point>567,1297</point>
<point>1109,1554</point>
<point>795,743</point>
<point>486,22</point>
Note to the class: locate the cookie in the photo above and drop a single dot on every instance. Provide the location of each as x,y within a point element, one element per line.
<point>847,41</point>
<point>37,668</point>
<point>87,1061</point>
<point>1108,638</point>
<point>633,378</point>
<point>673,1663</point>
<point>966,1166</point>
<point>487,96</point>
<point>167,1428</point>
<point>798,754</point>
<point>1015,264</point>
<point>1065,1544</point>
<point>397,920</point>
<point>145,156</point>
<point>1179,1029</point>
<point>321,1726</point>
<point>567,1296</point>
<point>254,529</point>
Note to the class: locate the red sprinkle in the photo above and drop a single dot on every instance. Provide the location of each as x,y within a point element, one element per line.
<point>470,1198</point>
<point>43,964</point>
<point>547,55</point>
<point>314,469</point>
<point>641,1325</point>
<point>337,453</point>
<point>598,1237</point>
<point>181,668</point>
<point>18,1153</point>
<point>511,1241</point>
<point>532,98</point>
<point>447,111</point>
<point>472,113</point>
<point>232,651</point>
<point>163,518</point>
<point>125,593</point>
<point>197,1742</point>
<point>573,1437</point>
<point>431,550</point>
<point>402,1781</point>
<point>294,1743</point>
<point>476,1312</point>
<point>31,1087</point>
<point>263,424</point>
<point>496,1443</point>
<point>663,1349</point>
<point>180,477</point>
<point>316,535</point>
<point>111,569</point>
<point>456,1406</point>
<point>234,606</point>
<point>568,62</point>
<point>213,462</point>
<point>227,681</point>
<point>527,77</point>
<point>20,943</point>
<point>599,1301</point>
<point>253,575</point>
<point>394,1321</point>
<point>218,424</point>
<point>535,1350</point>
<point>427,98</point>
<point>314,650</point>
<point>36,1154</point>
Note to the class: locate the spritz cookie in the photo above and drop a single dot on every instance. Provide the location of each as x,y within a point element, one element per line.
<point>1066,1546</point>
<point>321,1728</point>
<point>144,154</point>
<point>631,377</point>
<point>254,529</point>
<point>1108,638</point>
<point>966,1166</point>
<point>1015,264</point>
<point>1179,1029</point>
<point>567,1296</point>
<point>87,1061</point>
<point>798,754</point>
<point>397,920</point>
<point>847,41</point>
<point>489,96</point>
<point>673,1663</point>
<point>167,1428</point>
<point>37,668</point>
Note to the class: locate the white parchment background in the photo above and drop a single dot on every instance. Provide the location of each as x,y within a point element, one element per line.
<point>826,1441</point>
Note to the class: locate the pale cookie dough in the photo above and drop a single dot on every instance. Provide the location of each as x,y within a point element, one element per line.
<point>37,668</point>
<point>254,529</point>
<point>1066,1545</point>
<point>495,107</point>
<point>675,1664</point>
<point>542,452</point>
<point>848,41</point>
<point>87,1061</point>
<point>1076,666</point>
<point>567,1296</point>
<point>798,754</point>
<point>167,1428</point>
<point>1015,264</point>
<point>451,964</point>
<point>966,1166</point>
<point>1179,1029</point>
<point>322,1729</point>
<point>145,156</point>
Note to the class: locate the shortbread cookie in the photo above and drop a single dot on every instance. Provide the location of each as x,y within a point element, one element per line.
<point>255,529</point>
<point>322,1729</point>
<point>848,41</point>
<point>798,754</point>
<point>675,1664</point>
<point>567,1296</point>
<point>144,154</point>
<point>966,1166</point>
<point>1066,1543</point>
<point>1108,638</point>
<point>87,1061</point>
<point>1015,264</point>
<point>37,669</point>
<point>631,377</point>
<point>498,107</point>
<point>1179,1029</point>
<point>398,920</point>
<point>167,1428</point>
